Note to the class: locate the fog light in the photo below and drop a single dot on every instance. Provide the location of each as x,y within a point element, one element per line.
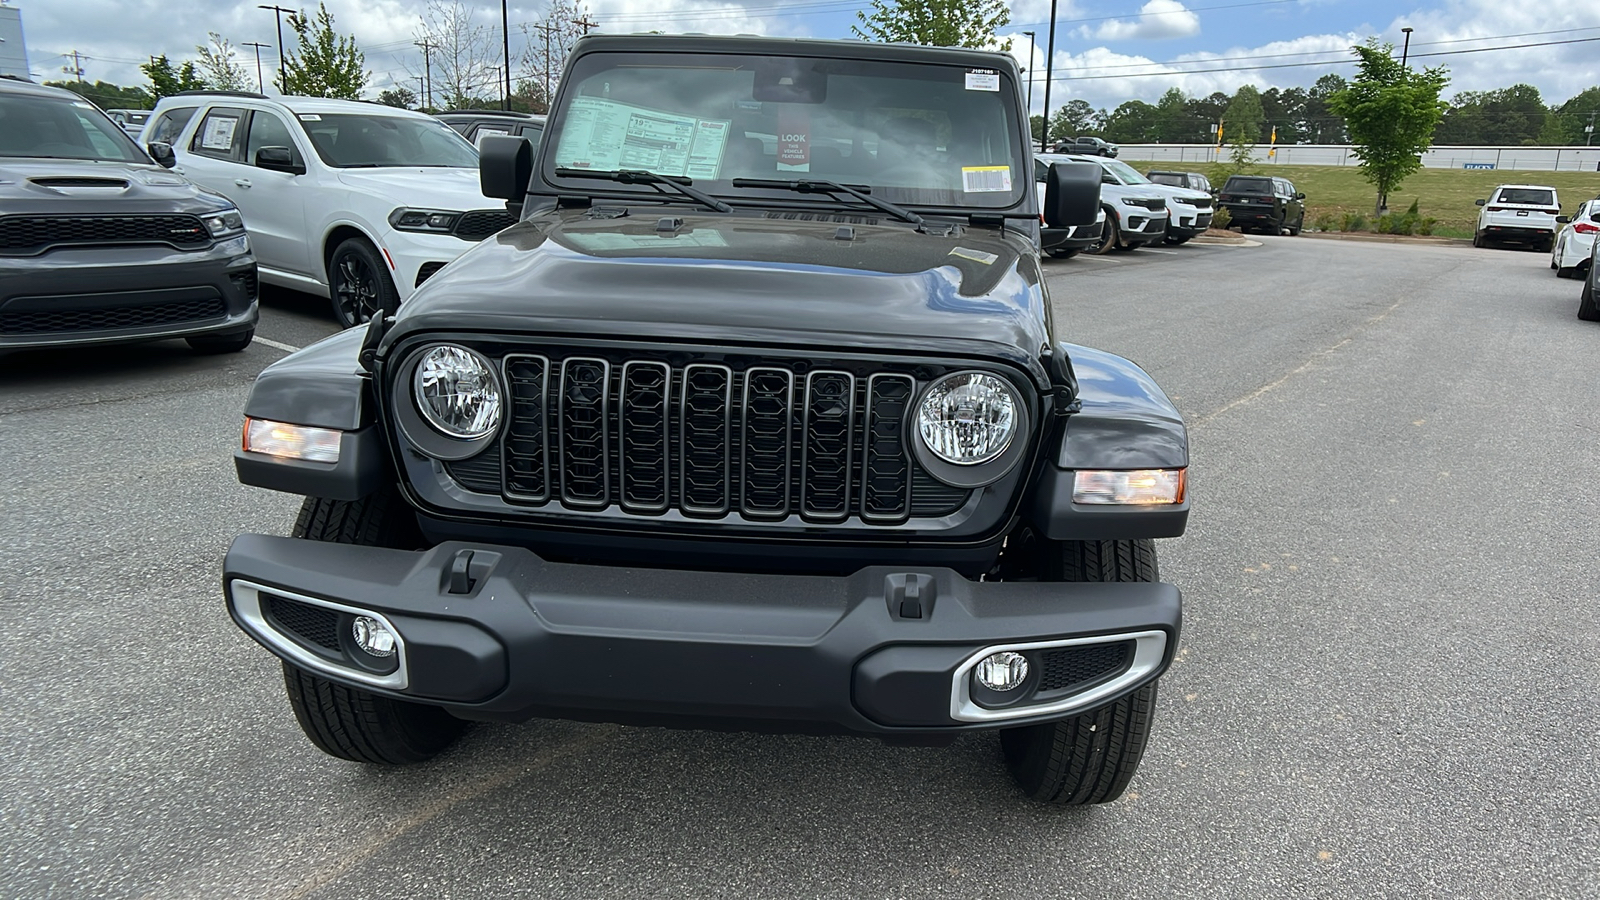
<point>1004,671</point>
<point>373,637</point>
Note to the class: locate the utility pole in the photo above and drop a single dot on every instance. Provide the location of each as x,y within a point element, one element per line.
<point>76,69</point>
<point>1031,36</point>
<point>546,28</point>
<point>283,73</point>
<point>261,85</point>
<point>427,69</point>
<point>1049,74</point>
<point>585,24</point>
<point>505,37</point>
<point>1405,50</point>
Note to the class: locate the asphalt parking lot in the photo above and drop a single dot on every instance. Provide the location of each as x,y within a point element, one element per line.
<point>1386,686</point>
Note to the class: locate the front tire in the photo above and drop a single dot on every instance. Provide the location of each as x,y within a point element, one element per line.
<point>347,722</point>
<point>1066,253</point>
<point>358,283</point>
<point>1089,758</point>
<point>1298,226</point>
<point>1110,237</point>
<point>1586,303</point>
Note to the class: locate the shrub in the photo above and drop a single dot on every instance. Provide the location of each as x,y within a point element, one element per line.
<point>1324,222</point>
<point>1384,225</point>
<point>1353,222</point>
<point>1426,225</point>
<point>1220,219</point>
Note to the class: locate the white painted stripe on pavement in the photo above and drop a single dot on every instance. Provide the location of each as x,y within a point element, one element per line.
<point>287,348</point>
<point>1104,259</point>
<point>1154,250</point>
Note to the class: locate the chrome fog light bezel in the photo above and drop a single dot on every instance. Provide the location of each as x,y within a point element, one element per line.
<point>1149,652</point>
<point>245,599</point>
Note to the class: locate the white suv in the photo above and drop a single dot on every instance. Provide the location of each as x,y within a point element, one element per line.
<point>1521,214</point>
<point>1136,210</point>
<point>353,201</point>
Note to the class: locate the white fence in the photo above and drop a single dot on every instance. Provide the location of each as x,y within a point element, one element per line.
<point>1547,159</point>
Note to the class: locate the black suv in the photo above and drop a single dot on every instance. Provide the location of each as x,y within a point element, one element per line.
<point>98,244</point>
<point>1194,181</point>
<point>477,124</point>
<point>1263,204</point>
<point>757,419</point>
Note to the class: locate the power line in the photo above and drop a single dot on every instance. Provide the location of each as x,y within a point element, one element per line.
<point>1299,65</point>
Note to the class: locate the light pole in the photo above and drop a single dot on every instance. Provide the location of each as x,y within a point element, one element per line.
<point>261,84</point>
<point>427,69</point>
<point>1031,36</point>
<point>505,38</point>
<point>1049,75</point>
<point>1406,49</point>
<point>283,75</point>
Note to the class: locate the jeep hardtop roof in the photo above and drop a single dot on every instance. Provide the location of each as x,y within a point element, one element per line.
<point>757,44</point>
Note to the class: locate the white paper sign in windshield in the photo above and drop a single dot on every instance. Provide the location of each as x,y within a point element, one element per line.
<point>607,136</point>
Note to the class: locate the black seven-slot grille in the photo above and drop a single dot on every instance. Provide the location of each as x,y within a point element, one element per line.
<point>766,439</point>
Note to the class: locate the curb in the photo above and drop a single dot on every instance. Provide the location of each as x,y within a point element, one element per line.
<point>1426,241</point>
<point>1216,241</point>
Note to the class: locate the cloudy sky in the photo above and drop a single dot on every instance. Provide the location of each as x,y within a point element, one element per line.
<point>1107,51</point>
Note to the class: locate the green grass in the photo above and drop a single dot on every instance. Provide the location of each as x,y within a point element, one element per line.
<point>1444,194</point>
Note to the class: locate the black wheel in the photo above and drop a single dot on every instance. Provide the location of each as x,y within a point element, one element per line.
<point>221,343</point>
<point>1298,226</point>
<point>358,282</point>
<point>1478,240</point>
<point>347,722</point>
<point>1586,303</point>
<point>1065,253</point>
<point>1275,227</point>
<point>1109,237</point>
<point>1092,757</point>
<point>1175,240</point>
<point>1567,271</point>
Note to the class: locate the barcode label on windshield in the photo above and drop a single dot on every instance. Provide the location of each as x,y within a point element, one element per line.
<point>985,179</point>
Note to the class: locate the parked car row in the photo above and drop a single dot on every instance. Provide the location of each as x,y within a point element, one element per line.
<point>1136,211</point>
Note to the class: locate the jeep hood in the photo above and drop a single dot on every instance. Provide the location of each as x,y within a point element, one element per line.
<point>746,280</point>
<point>33,185</point>
<point>424,187</point>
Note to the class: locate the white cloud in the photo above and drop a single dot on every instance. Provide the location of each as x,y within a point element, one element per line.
<point>1156,19</point>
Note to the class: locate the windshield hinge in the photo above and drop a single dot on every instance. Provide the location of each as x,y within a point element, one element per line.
<point>573,201</point>
<point>940,229</point>
<point>606,212</point>
<point>989,222</point>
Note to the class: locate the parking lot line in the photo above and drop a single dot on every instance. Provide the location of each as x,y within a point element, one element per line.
<point>1154,250</point>
<point>1103,259</point>
<point>287,348</point>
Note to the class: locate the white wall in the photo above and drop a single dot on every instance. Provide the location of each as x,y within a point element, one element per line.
<point>1566,159</point>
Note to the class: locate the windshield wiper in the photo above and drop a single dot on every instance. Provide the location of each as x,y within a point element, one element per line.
<point>639,176</point>
<point>815,186</point>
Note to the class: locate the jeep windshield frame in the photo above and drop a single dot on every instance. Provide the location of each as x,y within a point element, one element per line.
<point>938,136</point>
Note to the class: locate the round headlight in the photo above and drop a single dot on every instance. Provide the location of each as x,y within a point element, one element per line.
<point>968,418</point>
<point>457,392</point>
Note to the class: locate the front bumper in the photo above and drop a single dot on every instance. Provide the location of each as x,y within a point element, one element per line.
<point>101,295</point>
<point>1189,222</point>
<point>1073,237</point>
<point>885,651</point>
<point>409,252</point>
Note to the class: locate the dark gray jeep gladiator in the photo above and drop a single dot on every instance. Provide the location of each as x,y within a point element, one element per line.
<point>757,419</point>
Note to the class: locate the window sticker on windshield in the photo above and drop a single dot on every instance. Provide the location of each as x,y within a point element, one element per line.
<point>606,135</point>
<point>794,138</point>
<point>310,117</point>
<point>983,80</point>
<point>986,179</point>
<point>218,134</point>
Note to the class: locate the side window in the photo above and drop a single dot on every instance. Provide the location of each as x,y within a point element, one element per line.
<point>531,132</point>
<point>170,124</point>
<point>268,130</point>
<point>218,135</point>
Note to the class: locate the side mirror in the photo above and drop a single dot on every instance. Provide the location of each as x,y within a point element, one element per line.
<point>1562,220</point>
<point>1482,202</point>
<point>278,159</point>
<point>1072,194</point>
<point>1300,196</point>
<point>162,154</point>
<point>505,166</point>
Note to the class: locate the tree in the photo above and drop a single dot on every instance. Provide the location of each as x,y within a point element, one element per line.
<point>1073,118</point>
<point>221,71</point>
<point>461,68</point>
<point>1173,125</point>
<point>547,44</point>
<point>1134,122</point>
<point>1577,114</point>
<point>107,95</point>
<point>1390,112</point>
<point>1036,127</point>
<point>1510,115</point>
<point>1244,116</point>
<point>1321,125</point>
<point>399,96</point>
<point>326,64</point>
<point>939,23</point>
<point>166,81</point>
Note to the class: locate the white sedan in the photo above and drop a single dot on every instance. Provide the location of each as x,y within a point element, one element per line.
<point>1570,258</point>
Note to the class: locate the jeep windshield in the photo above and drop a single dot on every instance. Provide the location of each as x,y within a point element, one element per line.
<point>378,141</point>
<point>911,134</point>
<point>59,128</point>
